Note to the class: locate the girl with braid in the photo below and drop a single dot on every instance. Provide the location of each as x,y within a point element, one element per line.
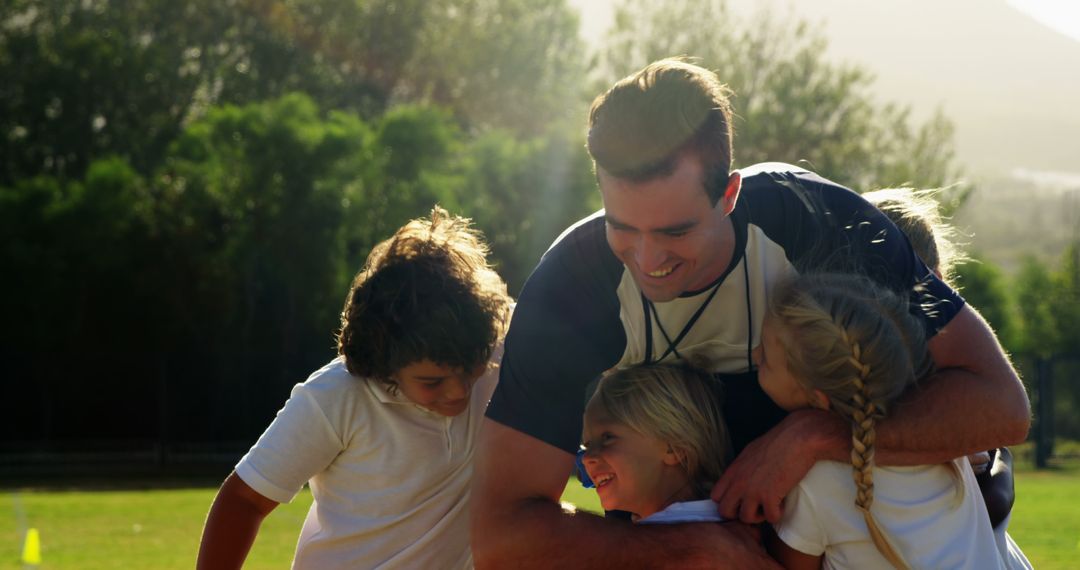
<point>843,343</point>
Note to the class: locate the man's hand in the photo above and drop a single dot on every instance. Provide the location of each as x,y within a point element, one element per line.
<point>753,488</point>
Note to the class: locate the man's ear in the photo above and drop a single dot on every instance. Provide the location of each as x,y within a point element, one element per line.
<point>731,192</point>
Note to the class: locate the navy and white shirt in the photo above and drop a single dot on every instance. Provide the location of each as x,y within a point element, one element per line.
<point>580,312</point>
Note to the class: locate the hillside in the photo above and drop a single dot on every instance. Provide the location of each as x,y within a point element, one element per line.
<point>1025,214</point>
<point>1010,84</point>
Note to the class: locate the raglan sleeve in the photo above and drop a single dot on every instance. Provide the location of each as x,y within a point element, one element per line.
<point>863,236</point>
<point>564,333</point>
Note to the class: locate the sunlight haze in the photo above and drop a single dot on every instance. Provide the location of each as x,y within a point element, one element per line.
<point>1007,80</point>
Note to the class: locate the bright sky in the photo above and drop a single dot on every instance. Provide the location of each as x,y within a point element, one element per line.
<point>1061,15</point>
<point>958,72</point>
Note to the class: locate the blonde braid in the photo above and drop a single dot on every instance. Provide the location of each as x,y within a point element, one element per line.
<point>857,343</point>
<point>863,421</point>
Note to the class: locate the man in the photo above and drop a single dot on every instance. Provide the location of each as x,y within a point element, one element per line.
<point>680,263</point>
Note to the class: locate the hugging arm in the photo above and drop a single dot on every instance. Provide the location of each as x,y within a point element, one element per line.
<point>517,519</point>
<point>974,402</point>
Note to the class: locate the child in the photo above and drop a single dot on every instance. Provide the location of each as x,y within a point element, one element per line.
<point>843,343</point>
<point>915,212</point>
<point>655,443</point>
<point>385,432</point>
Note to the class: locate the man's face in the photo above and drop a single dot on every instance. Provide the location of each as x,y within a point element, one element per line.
<point>666,232</point>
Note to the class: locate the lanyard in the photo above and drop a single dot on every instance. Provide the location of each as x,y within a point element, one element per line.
<point>672,348</point>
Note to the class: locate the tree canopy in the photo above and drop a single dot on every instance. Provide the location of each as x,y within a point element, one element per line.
<point>187,188</point>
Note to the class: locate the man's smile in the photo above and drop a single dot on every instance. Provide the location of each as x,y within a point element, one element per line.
<point>659,273</point>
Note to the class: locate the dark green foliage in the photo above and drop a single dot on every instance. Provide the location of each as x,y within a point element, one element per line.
<point>189,302</point>
<point>1035,315</point>
<point>984,287</point>
<point>187,188</point>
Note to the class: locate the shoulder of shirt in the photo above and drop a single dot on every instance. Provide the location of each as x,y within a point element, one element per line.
<point>763,168</point>
<point>779,175</point>
<point>329,383</point>
<point>581,251</point>
<point>588,228</point>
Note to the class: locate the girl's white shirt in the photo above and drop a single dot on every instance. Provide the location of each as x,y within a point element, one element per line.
<point>918,508</point>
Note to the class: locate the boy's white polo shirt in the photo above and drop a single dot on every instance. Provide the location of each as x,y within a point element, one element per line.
<point>390,479</point>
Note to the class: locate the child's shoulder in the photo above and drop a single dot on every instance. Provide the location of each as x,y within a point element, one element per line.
<point>333,383</point>
<point>346,401</point>
<point>333,373</point>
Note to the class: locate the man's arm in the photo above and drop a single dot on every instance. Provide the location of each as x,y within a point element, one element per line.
<point>787,556</point>
<point>232,525</point>
<point>517,520</point>
<point>975,401</point>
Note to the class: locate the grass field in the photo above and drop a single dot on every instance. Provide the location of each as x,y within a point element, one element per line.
<point>160,529</point>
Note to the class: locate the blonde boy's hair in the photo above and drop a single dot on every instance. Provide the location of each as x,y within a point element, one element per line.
<point>858,343</point>
<point>672,403</point>
<point>917,214</point>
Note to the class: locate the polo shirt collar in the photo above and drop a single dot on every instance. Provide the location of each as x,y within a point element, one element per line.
<point>381,391</point>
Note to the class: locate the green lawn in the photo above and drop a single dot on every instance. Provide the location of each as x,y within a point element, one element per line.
<point>133,529</point>
<point>1046,518</point>
<point>88,530</point>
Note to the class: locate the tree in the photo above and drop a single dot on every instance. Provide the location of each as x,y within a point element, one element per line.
<point>1034,291</point>
<point>791,104</point>
<point>265,211</point>
<point>1066,301</point>
<point>252,210</point>
<point>511,64</point>
<point>75,303</point>
<point>523,193</point>
<point>85,80</point>
<point>1049,303</point>
<point>984,287</point>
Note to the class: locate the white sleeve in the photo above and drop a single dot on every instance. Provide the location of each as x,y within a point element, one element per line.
<point>300,442</point>
<point>800,527</point>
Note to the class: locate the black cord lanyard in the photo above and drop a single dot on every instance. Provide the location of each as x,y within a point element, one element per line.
<point>672,348</point>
